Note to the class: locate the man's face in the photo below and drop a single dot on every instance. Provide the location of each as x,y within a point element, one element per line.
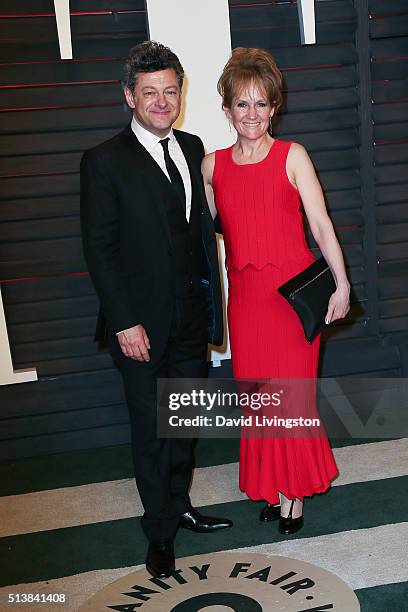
<point>156,100</point>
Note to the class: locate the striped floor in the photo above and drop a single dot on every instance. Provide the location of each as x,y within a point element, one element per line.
<point>70,523</point>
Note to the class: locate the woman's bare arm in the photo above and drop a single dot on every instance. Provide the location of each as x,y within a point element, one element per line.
<point>303,176</point>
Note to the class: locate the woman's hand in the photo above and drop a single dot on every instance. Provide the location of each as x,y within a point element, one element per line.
<point>339,304</point>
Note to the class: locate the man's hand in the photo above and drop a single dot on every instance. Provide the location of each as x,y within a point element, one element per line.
<point>134,343</point>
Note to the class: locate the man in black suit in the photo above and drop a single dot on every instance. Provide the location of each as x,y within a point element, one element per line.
<point>150,247</point>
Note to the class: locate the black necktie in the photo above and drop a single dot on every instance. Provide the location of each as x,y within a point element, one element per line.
<point>173,171</point>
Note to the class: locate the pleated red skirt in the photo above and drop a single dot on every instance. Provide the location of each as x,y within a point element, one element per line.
<point>267,341</point>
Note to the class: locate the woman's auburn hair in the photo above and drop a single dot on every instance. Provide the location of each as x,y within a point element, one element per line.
<point>249,65</point>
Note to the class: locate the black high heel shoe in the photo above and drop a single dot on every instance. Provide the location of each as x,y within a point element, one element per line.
<point>269,513</point>
<point>288,525</point>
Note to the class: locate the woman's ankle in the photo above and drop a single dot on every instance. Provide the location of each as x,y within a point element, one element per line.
<point>294,509</point>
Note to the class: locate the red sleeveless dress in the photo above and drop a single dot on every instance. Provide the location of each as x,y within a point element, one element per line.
<point>261,218</point>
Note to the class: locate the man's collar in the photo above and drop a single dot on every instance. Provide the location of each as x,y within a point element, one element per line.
<point>146,138</point>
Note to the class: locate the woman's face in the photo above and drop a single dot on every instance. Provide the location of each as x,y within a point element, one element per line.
<point>250,112</point>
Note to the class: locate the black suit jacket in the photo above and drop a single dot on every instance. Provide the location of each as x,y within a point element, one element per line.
<point>126,237</point>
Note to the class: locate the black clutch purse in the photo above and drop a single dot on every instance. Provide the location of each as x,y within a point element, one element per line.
<point>308,293</point>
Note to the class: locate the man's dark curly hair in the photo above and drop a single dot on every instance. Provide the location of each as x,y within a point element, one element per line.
<point>150,56</point>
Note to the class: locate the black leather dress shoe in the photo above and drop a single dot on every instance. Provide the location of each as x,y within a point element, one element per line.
<point>160,558</point>
<point>269,513</point>
<point>195,521</point>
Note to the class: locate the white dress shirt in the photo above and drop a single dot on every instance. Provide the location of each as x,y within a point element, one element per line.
<point>152,145</point>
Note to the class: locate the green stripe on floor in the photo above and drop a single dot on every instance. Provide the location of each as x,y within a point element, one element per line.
<point>105,464</point>
<point>95,465</point>
<point>63,552</point>
<point>218,484</point>
<point>384,598</point>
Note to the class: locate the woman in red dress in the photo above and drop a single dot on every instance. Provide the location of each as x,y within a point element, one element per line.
<point>258,187</point>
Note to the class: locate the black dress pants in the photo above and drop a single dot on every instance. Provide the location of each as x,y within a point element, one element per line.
<point>163,467</point>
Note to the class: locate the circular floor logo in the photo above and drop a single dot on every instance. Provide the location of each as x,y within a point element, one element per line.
<point>229,582</point>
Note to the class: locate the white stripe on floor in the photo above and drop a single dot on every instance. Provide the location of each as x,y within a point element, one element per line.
<point>361,557</point>
<point>118,499</point>
<point>357,557</point>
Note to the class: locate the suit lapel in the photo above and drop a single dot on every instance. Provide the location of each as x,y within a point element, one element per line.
<point>195,175</point>
<point>197,188</point>
<point>147,165</point>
